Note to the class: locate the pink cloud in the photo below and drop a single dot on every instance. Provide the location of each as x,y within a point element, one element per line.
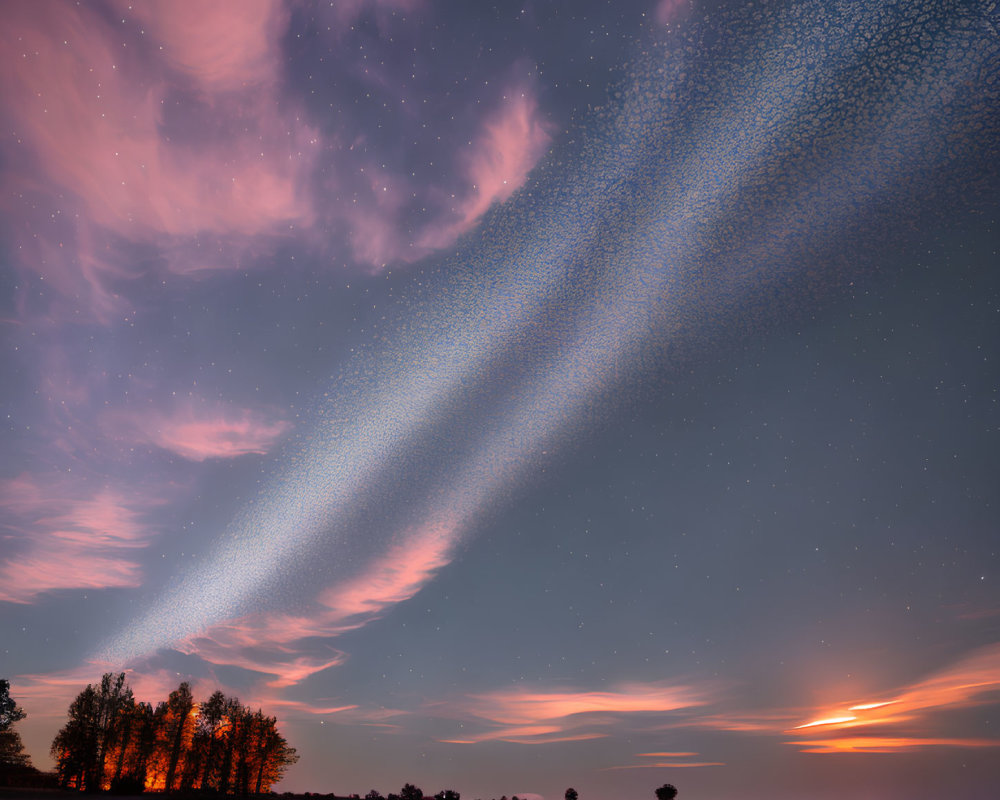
<point>308,708</point>
<point>507,148</point>
<point>521,706</point>
<point>397,576</point>
<point>287,665</point>
<point>533,734</point>
<point>345,12</point>
<point>70,539</point>
<point>668,11</point>
<point>198,433</point>
<point>502,154</point>
<point>223,46</point>
<point>675,761</point>
<point>530,717</point>
<point>511,143</point>
<point>284,646</point>
<point>184,142</point>
<point>90,116</point>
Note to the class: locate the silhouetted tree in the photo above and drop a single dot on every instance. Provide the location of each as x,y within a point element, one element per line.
<point>12,751</point>
<point>571,794</point>
<point>411,792</point>
<point>12,755</point>
<point>208,732</point>
<point>89,742</point>
<point>178,730</point>
<point>10,712</point>
<point>447,794</point>
<point>374,795</point>
<point>137,740</point>
<point>114,700</point>
<point>75,747</point>
<point>666,792</point>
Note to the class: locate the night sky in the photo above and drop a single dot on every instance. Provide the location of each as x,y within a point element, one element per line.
<point>513,397</point>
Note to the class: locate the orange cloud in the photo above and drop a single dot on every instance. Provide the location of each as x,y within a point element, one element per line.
<point>885,744</point>
<point>671,765</point>
<point>971,682</point>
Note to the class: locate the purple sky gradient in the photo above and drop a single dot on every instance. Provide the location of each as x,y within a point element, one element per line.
<point>511,397</point>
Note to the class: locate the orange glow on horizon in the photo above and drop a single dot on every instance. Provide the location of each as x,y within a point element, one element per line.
<point>885,744</point>
<point>968,683</point>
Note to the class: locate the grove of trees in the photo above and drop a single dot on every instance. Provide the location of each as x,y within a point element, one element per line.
<point>113,742</point>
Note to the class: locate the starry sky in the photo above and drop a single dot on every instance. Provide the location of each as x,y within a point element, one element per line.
<point>513,396</point>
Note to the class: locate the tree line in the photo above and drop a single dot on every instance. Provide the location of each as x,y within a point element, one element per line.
<point>112,742</point>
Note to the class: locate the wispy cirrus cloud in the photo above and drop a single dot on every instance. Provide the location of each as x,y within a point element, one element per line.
<point>494,165</point>
<point>292,647</point>
<point>507,147</point>
<point>523,706</point>
<point>525,716</point>
<point>197,431</point>
<point>64,535</point>
<point>98,121</point>
<point>673,763</point>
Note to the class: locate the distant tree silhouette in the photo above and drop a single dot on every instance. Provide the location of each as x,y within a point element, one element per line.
<point>374,795</point>
<point>411,792</point>
<point>571,794</point>
<point>666,792</point>
<point>13,759</point>
<point>447,794</point>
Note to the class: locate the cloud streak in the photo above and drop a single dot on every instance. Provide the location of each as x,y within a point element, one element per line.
<point>197,433</point>
<point>64,536</point>
<point>523,716</point>
<point>907,718</point>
